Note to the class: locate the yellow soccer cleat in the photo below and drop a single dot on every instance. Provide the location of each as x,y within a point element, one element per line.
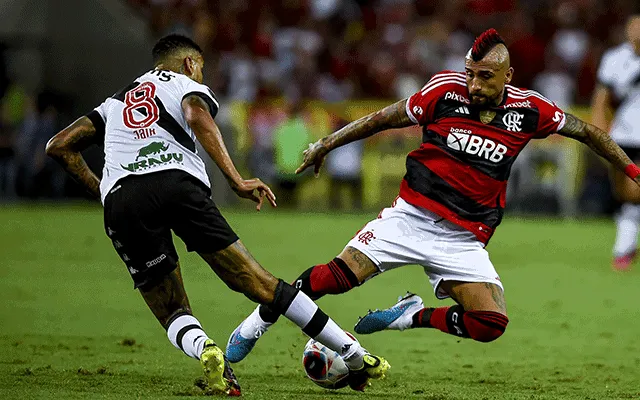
<point>217,371</point>
<point>374,368</point>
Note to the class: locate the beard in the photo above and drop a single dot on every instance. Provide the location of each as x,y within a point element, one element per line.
<point>482,100</point>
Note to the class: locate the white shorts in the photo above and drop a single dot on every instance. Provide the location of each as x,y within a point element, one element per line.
<point>404,234</point>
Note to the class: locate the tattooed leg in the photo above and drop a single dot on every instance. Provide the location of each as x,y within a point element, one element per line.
<point>479,296</point>
<point>359,263</point>
<point>168,298</point>
<point>240,271</point>
<point>169,303</point>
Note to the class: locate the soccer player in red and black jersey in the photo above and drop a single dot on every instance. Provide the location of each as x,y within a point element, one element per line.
<point>451,199</point>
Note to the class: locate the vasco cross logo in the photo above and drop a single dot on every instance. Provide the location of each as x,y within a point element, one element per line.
<point>513,121</point>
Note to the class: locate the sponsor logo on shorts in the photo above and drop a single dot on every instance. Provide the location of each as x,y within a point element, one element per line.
<point>366,237</point>
<point>155,260</point>
<point>153,157</point>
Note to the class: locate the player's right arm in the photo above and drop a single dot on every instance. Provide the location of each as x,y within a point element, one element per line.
<point>66,148</point>
<point>390,117</point>
<point>417,109</point>
<point>198,115</point>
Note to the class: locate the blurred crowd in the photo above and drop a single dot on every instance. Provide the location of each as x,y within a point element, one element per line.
<point>27,122</point>
<point>333,51</point>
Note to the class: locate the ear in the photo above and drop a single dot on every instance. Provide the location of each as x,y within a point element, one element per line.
<point>508,75</point>
<point>189,66</point>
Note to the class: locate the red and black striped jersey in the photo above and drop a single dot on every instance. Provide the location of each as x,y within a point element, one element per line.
<point>461,169</point>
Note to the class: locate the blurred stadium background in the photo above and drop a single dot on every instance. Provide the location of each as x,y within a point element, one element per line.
<point>286,73</point>
<point>289,72</point>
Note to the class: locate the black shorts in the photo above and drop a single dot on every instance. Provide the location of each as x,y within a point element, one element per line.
<point>632,152</point>
<point>140,212</point>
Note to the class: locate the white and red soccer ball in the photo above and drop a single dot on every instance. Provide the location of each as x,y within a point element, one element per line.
<point>324,366</point>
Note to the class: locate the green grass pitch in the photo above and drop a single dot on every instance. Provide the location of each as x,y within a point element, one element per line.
<point>72,327</point>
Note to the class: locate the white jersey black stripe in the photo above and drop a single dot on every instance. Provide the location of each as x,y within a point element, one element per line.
<point>145,130</point>
<point>619,71</point>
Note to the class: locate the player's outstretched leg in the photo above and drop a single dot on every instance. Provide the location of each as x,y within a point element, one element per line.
<point>169,303</point>
<point>242,273</point>
<point>480,313</point>
<point>339,275</point>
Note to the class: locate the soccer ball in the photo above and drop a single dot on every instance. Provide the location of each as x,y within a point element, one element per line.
<point>324,366</point>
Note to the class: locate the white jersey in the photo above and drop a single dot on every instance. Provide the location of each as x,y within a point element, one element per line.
<point>620,72</point>
<point>145,130</point>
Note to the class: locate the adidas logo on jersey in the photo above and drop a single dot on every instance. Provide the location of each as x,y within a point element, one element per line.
<point>463,110</point>
<point>463,140</point>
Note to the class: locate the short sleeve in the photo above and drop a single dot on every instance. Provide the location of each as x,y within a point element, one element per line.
<point>195,89</point>
<point>421,106</point>
<point>98,117</point>
<point>552,118</point>
<point>607,70</point>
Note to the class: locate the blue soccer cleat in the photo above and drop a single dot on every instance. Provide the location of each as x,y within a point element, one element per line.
<point>399,317</point>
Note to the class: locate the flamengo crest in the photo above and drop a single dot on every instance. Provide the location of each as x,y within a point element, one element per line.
<point>513,121</point>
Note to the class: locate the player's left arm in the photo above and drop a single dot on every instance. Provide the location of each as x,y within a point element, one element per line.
<point>600,142</point>
<point>66,148</point>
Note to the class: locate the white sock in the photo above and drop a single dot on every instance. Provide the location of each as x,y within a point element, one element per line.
<point>314,322</point>
<point>254,325</point>
<point>627,223</point>
<point>186,334</point>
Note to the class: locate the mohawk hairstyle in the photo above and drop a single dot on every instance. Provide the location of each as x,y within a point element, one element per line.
<point>170,44</point>
<point>484,43</point>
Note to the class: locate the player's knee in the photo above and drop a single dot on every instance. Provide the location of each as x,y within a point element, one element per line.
<point>335,277</point>
<point>485,326</point>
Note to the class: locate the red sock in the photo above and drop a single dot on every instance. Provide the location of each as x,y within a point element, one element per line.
<point>332,278</point>
<point>483,326</point>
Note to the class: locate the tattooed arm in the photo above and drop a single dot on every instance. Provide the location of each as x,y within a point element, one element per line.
<point>391,117</point>
<point>597,139</point>
<point>65,148</point>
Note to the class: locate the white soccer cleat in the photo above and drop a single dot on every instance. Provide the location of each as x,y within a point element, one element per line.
<point>399,317</point>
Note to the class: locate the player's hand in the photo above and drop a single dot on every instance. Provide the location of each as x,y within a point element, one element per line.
<point>314,155</point>
<point>247,190</point>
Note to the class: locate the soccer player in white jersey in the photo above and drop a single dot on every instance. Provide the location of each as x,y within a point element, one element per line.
<point>154,182</point>
<point>619,89</point>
